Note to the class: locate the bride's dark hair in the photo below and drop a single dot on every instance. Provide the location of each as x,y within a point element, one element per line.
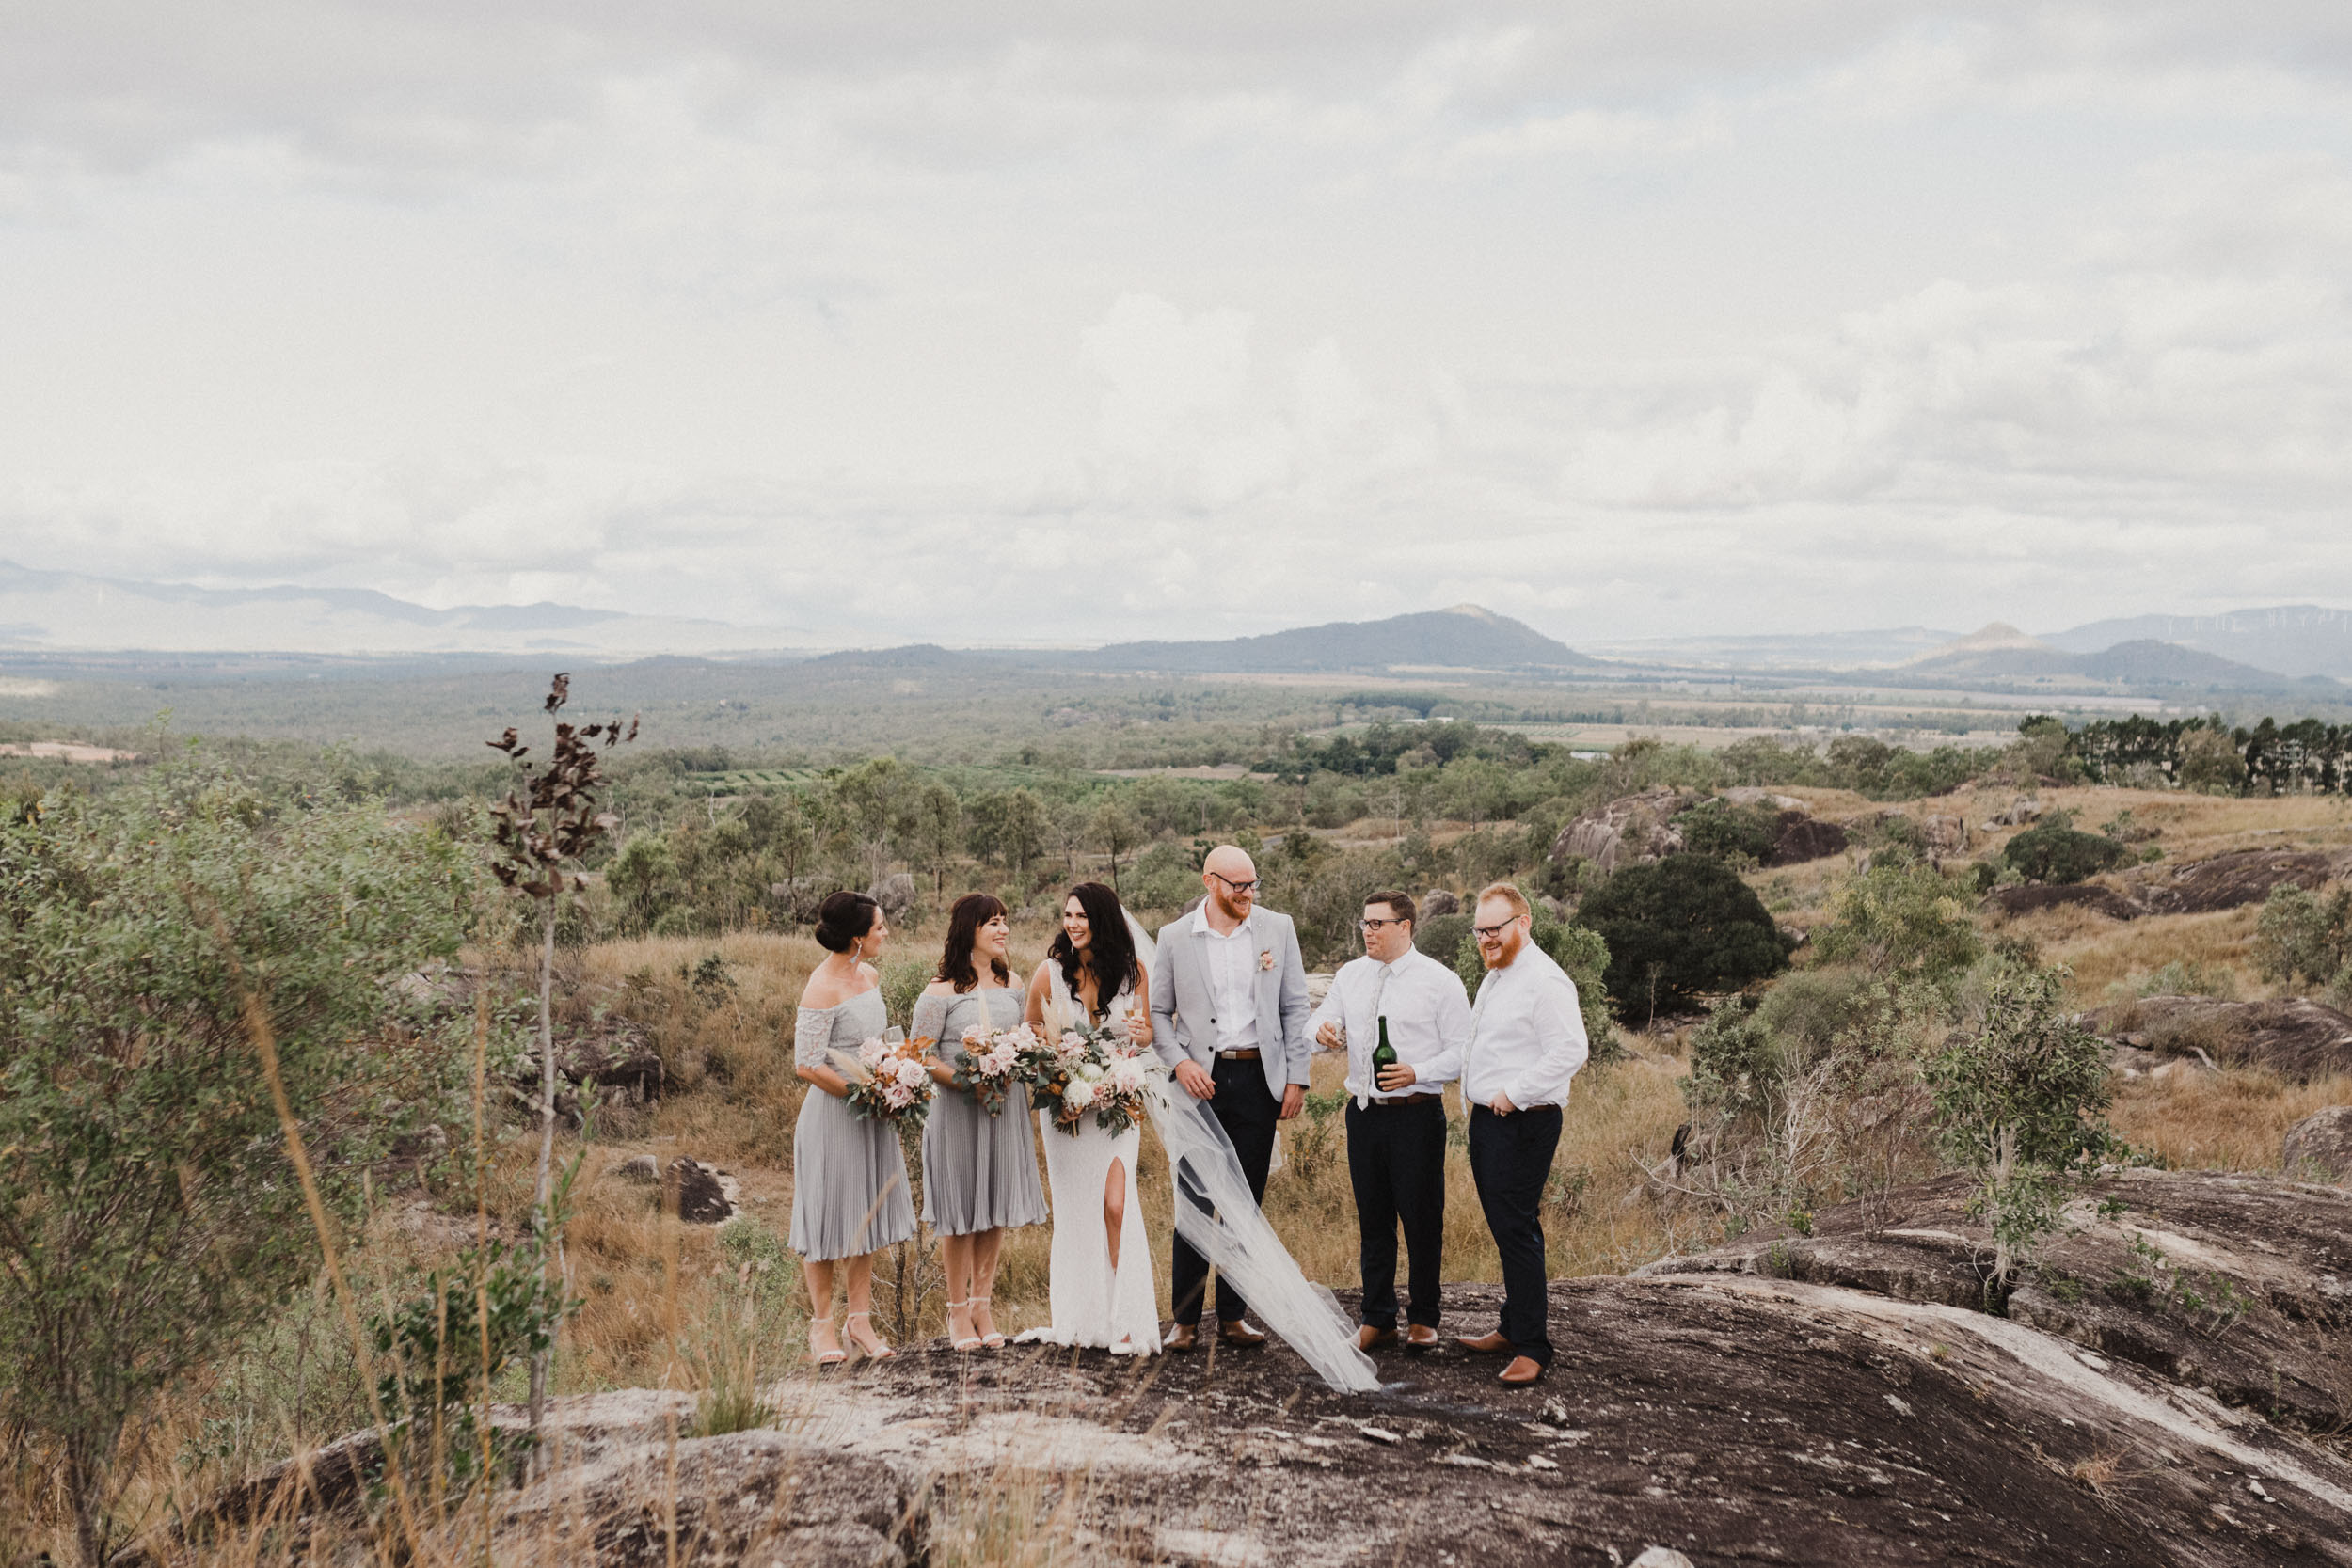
<point>1110,950</point>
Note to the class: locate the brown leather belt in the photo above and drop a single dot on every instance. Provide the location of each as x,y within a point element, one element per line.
<point>1249,1056</point>
<point>1398,1102</point>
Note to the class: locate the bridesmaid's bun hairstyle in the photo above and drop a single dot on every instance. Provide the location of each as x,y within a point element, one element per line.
<point>844,917</point>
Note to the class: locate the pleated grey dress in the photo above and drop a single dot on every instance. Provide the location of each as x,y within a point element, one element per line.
<point>849,1174</point>
<point>979,1171</point>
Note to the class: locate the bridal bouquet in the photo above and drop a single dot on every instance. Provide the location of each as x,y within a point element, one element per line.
<point>887,1078</point>
<point>1097,1070</point>
<point>994,1060</point>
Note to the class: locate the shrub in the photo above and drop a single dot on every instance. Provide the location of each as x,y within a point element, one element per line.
<point>1442,937</point>
<point>2020,1101</point>
<point>148,1212</point>
<point>1679,926</point>
<point>1729,832</point>
<point>2053,851</point>
<point>1902,919</point>
<point>2303,936</point>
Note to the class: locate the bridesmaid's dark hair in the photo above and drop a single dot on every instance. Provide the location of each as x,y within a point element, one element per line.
<point>1110,950</point>
<point>972,911</point>
<point>844,917</point>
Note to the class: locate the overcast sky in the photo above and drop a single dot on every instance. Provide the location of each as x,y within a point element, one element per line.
<point>992,321</point>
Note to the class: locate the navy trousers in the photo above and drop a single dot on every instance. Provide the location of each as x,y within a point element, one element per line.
<point>1511,1159</point>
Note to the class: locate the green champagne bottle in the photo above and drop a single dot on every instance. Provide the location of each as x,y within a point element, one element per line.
<point>1383,1054</point>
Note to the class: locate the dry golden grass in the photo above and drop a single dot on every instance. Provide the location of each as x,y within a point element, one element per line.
<point>2229,1120</point>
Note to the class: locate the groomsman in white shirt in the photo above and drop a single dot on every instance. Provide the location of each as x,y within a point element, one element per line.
<point>1396,1118</point>
<point>1527,1041</point>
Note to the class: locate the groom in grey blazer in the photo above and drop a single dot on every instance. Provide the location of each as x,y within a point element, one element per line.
<point>1229,1016</point>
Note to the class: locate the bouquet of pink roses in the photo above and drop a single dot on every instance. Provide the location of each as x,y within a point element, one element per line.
<point>1091,1071</point>
<point>992,1063</point>
<point>887,1080</point>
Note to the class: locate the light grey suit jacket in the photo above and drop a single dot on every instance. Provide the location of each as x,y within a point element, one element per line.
<point>1183,1013</point>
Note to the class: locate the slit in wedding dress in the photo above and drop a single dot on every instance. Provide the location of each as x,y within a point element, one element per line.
<point>1113,1207</point>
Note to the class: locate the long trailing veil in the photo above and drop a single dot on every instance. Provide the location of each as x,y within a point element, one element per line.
<point>1215,1213</point>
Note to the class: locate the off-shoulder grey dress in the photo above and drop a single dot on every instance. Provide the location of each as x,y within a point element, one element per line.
<point>849,1174</point>
<point>979,1171</point>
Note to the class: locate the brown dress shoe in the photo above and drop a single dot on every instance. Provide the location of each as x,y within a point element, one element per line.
<point>1182,1337</point>
<point>1240,1335</point>
<point>1522,1370</point>
<point>1369,1338</point>
<point>1486,1344</point>
<point>1420,1337</point>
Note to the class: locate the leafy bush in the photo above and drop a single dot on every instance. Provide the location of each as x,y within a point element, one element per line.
<point>2053,851</point>
<point>1679,926</point>
<point>1729,831</point>
<point>1902,919</point>
<point>2303,936</point>
<point>441,1351</point>
<point>2020,1101</point>
<point>1442,937</point>
<point>147,1210</point>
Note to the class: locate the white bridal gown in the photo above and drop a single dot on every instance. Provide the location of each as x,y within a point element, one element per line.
<point>1095,1303</point>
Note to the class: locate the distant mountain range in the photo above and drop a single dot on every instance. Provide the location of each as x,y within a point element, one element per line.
<point>2293,640</point>
<point>2002,654</point>
<point>1464,637</point>
<point>68,610</point>
<point>2276,650</point>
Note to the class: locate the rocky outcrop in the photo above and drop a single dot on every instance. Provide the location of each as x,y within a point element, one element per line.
<point>2228,882</point>
<point>1437,901</point>
<point>2294,1037</point>
<point>2320,1144</point>
<point>2007,903</point>
<point>699,1194</point>
<point>1627,831</point>
<point>1800,838</point>
<point>2236,1287</point>
<point>1787,1400</point>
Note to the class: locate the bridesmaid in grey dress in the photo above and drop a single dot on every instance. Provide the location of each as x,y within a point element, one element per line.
<point>848,1176</point>
<point>979,1171</point>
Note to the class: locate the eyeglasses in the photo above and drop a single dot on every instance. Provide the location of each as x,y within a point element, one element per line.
<point>1371,925</point>
<point>1250,886</point>
<point>1489,933</point>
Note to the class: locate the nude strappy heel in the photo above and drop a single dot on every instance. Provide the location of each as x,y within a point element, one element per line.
<point>991,1340</point>
<point>884,1353</point>
<point>964,1346</point>
<point>833,1357</point>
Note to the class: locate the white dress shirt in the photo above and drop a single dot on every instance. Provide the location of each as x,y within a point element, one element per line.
<point>1232,971</point>
<point>1428,1014</point>
<point>1528,1035</point>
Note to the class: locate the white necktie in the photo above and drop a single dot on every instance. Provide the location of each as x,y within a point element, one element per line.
<point>1368,1080</point>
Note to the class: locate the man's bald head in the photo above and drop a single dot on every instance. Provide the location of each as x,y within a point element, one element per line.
<point>1232,880</point>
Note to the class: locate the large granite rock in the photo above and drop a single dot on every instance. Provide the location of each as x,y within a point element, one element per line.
<point>2227,882</point>
<point>2238,1286</point>
<point>2321,1145</point>
<point>1627,831</point>
<point>2033,898</point>
<point>2292,1036</point>
<point>1788,1401</point>
<point>1800,838</point>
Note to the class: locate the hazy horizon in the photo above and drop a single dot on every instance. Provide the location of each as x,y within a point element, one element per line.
<point>1122,324</point>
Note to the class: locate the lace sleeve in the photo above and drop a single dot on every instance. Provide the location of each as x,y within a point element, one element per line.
<point>930,1022</point>
<point>812,1035</point>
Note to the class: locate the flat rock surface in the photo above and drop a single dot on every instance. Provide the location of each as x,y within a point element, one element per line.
<point>2294,1037</point>
<point>2227,882</point>
<point>2033,898</point>
<point>2238,1286</point>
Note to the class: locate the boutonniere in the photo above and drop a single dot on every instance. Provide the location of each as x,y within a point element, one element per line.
<point>1265,958</point>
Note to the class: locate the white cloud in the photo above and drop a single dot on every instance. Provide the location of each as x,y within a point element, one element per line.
<point>842,316</point>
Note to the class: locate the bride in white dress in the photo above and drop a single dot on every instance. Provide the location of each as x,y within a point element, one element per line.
<point>1102,1287</point>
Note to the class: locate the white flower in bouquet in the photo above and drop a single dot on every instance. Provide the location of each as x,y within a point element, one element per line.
<point>1091,1071</point>
<point>1127,1075</point>
<point>1078,1094</point>
<point>871,1051</point>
